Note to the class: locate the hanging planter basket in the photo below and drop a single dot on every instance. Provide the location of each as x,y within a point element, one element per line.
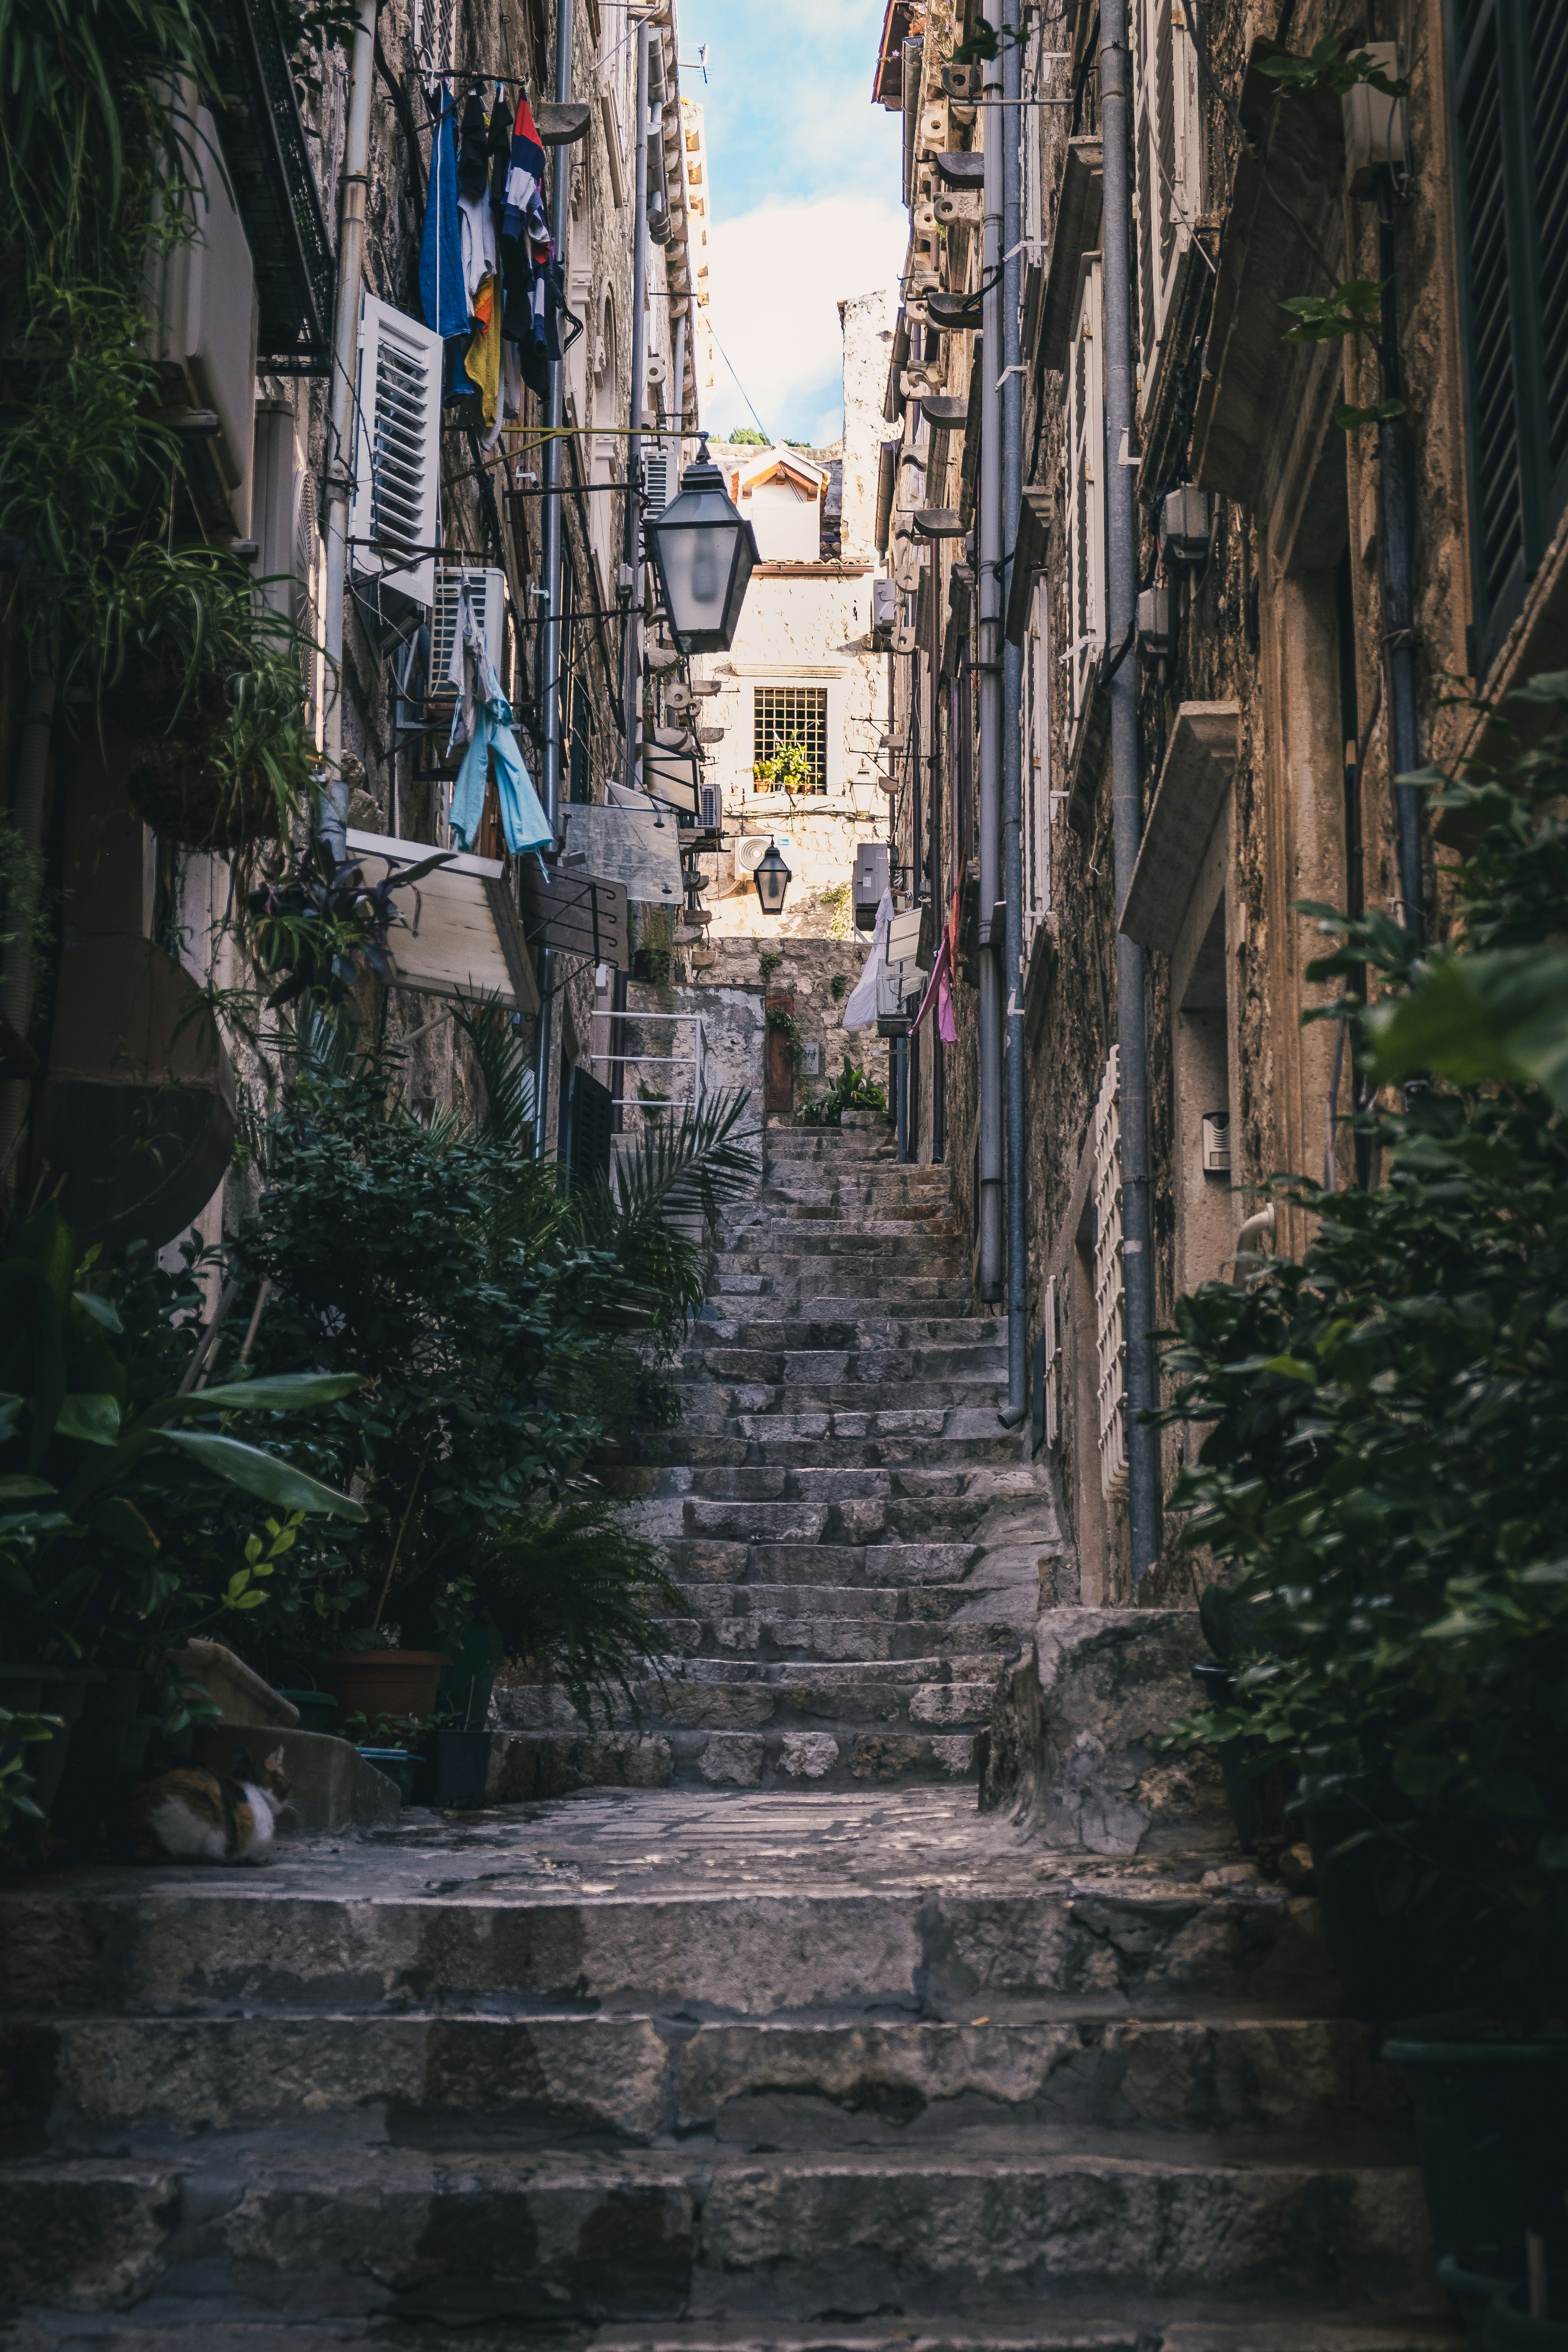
<point>177,779</point>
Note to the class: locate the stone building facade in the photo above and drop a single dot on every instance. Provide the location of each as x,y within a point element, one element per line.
<point>1295,648</point>
<point>479,495</point>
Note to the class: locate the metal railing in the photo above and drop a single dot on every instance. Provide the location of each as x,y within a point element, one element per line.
<point>615,1058</point>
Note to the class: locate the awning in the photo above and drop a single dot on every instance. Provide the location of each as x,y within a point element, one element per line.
<point>639,848</point>
<point>463,936</point>
<point>575,913</point>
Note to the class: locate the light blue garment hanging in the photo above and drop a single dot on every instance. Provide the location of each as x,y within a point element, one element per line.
<point>442,294</point>
<point>522,818</point>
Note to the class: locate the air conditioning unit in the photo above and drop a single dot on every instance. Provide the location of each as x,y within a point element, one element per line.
<point>884,613</point>
<point>752,847</point>
<point>711,801</point>
<point>202,296</point>
<point>871,882</point>
<point>900,988</point>
<point>485,587</point>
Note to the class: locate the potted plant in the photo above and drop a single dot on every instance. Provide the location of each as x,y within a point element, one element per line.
<point>122,1541</point>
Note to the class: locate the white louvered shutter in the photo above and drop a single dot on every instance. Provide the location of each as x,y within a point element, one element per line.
<point>397,451</point>
<point>1110,1328</point>
<point>1086,466</point>
<point>1167,141</point>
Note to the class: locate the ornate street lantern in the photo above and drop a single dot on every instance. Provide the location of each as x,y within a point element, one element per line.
<point>773,878</point>
<point>703,553</point>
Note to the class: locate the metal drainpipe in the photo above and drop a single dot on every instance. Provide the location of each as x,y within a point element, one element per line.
<point>334,814</point>
<point>1137,1256</point>
<point>1012,714</point>
<point>1398,603</point>
<point>551,536</point>
<point>27,794</point>
<point>989,667</point>
<point>632,651</point>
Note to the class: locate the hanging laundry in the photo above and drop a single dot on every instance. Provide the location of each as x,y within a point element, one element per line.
<point>523,821</point>
<point>473,147</point>
<point>860,1012</point>
<point>443,295</point>
<point>499,144</point>
<point>525,242</point>
<point>938,988</point>
<point>482,362</point>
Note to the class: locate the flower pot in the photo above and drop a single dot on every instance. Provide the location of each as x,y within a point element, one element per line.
<point>469,1679</point>
<point>1471,2294</point>
<point>462,1766</point>
<point>378,1683</point>
<point>1257,1800</point>
<point>398,1764</point>
<point>317,1711</point>
<point>1509,2327</point>
<point>1491,2125</point>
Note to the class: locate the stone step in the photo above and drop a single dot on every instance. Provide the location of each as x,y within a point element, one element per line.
<point>1069,2323</point>
<point>825,1756</point>
<point>642,2079</point>
<point>393,1921</point>
<point>872,1520</point>
<point>753,1397</point>
<point>636,2234</point>
<point>837,1332</point>
<point>923,1694</point>
<point>846,1369</point>
<point>815,1568</point>
<point>771,1635</point>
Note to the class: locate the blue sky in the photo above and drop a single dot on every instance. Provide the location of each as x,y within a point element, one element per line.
<point>803,172</point>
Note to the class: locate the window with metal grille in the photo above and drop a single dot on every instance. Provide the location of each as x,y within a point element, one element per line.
<point>1510,111</point>
<point>1167,138</point>
<point>1109,1325</point>
<point>792,714</point>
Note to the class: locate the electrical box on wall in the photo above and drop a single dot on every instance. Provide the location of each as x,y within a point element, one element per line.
<point>870,881</point>
<point>1375,123</point>
<point>811,1059</point>
<point>1217,1142</point>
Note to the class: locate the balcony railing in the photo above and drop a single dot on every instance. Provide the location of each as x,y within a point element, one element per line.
<point>268,164</point>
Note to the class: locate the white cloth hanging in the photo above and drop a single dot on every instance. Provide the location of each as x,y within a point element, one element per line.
<point>860,1012</point>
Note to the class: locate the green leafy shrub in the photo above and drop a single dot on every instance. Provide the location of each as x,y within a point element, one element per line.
<point>851,1091</point>
<point>1388,1451</point>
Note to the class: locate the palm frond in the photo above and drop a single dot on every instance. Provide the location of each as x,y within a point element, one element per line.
<point>695,1165</point>
<point>569,1587</point>
<point>508,1117</point>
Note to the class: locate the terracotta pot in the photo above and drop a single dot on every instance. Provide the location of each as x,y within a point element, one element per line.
<point>377,1682</point>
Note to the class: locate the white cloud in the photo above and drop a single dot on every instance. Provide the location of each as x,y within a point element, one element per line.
<point>778,275</point>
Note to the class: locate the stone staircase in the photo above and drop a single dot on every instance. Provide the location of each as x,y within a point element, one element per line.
<point>845,2065</point>
<point>694,2071</point>
<point>858,1539</point>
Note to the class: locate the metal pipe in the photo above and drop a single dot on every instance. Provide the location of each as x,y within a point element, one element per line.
<point>989,667</point>
<point>1398,601</point>
<point>631,651</point>
<point>1121,583</point>
<point>551,538</point>
<point>334,814</point>
<point>1011,719</point>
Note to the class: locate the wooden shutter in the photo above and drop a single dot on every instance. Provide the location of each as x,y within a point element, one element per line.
<point>1086,467</point>
<point>1510,109</point>
<point>591,1120</point>
<point>1167,145</point>
<point>1110,1332</point>
<point>397,451</point>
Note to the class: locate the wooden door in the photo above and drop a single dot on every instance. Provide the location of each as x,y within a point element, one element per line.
<point>779,1092</point>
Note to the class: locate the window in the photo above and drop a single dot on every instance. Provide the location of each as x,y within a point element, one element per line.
<point>792,714</point>
<point>1511,105</point>
<point>1086,510</point>
<point>1167,147</point>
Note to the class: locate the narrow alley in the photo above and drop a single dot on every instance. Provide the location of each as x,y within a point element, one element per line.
<point>783,1228</point>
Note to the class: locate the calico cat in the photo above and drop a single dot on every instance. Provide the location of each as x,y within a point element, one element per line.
<point>188,1814</point>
